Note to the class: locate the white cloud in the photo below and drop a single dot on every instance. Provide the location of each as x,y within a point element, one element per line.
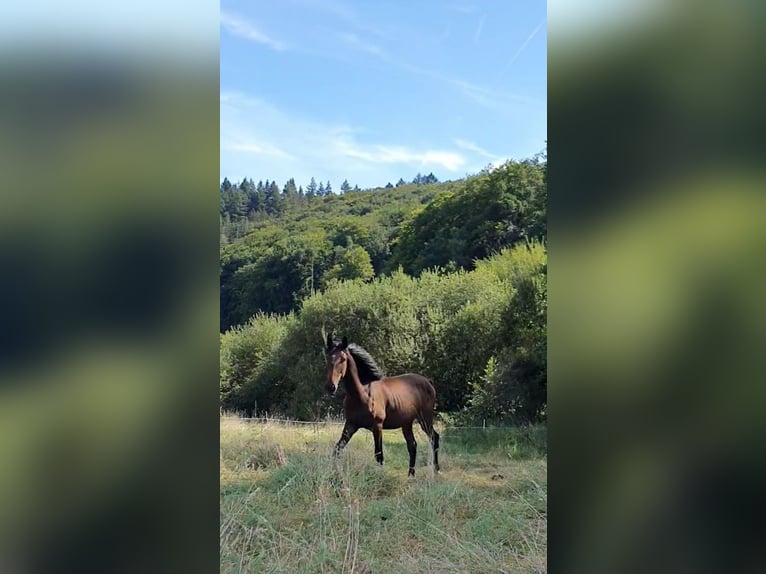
<point>450,161</point>
<point>239,26</point>
<point>260,140</point>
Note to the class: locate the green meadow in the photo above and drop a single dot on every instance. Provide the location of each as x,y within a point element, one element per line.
<point>288,506</point>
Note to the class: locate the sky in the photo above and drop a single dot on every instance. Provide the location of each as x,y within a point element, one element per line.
<point>371,92</point>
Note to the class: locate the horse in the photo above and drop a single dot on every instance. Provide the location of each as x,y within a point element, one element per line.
<point>376,402</point>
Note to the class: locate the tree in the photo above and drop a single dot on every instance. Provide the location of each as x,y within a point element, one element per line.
<point>290,192</point>
<point>345,186</point>
<point>226,184</point>
<point>253,200</point>
<point>311,189</point>
<point>486,213</point>
<point>322,191</point>
<point>273,199</point>
<point>352,263</point>
<point>389,186</point>
<point>328,188</point>
<point>401,182</point>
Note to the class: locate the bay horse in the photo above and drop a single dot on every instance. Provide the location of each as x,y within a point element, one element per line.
<point>376,402</point>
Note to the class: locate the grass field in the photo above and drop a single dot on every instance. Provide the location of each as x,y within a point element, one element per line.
<point>287,506</point>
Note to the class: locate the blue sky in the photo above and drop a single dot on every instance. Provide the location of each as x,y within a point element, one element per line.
<point>374,91</point>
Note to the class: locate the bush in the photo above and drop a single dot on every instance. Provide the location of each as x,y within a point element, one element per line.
<point>478,335</point>
<point>247,353</point>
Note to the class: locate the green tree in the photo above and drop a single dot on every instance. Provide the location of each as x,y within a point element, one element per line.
<point>345,186</point>
<point>485,213</point>
<point>312,189</point>
<point>352,263</point>
<point>273,199</point>
<point>290,193</point>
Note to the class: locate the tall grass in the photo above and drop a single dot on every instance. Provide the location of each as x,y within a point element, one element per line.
<point>288,506</point>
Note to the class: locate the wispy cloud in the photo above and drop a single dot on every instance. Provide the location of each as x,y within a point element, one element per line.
<point>344,12</point>
<point>497,100</point>
<point>261,138</point>
<point>480,156</point>
<point>354,41</point>
<point>491,98</point>
<point>243,28</point>
<point>463,8</point>
<point>256,148</point>
<point>470,146</point>
<point>479,28</point>
<point>520,49</point>
<point>450,161</point>
<point>446,33</point>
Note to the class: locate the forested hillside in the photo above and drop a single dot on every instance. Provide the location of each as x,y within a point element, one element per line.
<point>277,247</point>
<point>447,279</point>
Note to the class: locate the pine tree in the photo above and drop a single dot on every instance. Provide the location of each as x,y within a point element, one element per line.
<point>345,186</point>
<point>251,195</point>
<point>389,185</point>
<point>277,204</point>
<point>321,192</point>
<point>290,192</point>
<point>401,182</point>
<point>328,188</point>
<point>311,189</point>
<point>226,184</point>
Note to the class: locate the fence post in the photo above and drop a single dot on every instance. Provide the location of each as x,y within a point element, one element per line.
<point>484,424</point>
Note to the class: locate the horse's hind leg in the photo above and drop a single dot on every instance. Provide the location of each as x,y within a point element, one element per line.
<point>435,444</point>
<point>426,423</point>
<point>412,446</point>
<point>345,436</point>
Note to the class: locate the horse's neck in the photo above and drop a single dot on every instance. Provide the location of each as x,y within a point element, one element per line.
<point>353,384</point>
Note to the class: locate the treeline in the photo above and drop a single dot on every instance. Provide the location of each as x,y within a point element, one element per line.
<point>479,335</point>
<point>246,202</point>
<point>297,245</point>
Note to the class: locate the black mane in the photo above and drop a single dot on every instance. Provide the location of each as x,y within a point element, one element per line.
<point>368,369</point>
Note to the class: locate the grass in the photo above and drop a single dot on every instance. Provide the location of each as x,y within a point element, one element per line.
<point>288,506</point>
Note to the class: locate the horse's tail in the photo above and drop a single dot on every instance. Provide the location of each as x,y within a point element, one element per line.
<point>431,390</point>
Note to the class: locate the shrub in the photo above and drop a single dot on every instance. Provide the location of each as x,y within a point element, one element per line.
<point>478,335</point>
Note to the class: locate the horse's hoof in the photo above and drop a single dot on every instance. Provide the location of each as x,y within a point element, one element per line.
<point>411,473</point>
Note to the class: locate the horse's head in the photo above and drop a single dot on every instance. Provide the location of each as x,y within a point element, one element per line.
<point>337,363</point>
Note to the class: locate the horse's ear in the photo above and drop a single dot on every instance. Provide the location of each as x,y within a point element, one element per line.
<point>329,341</point>
<point>344,344</point>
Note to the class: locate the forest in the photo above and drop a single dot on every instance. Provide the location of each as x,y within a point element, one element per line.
<point>447,279</point>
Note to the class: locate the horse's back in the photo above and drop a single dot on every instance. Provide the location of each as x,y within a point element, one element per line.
<point>407,396</point>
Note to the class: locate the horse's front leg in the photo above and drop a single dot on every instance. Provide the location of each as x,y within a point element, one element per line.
<point>377,435</point>
<point>345,436</point>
